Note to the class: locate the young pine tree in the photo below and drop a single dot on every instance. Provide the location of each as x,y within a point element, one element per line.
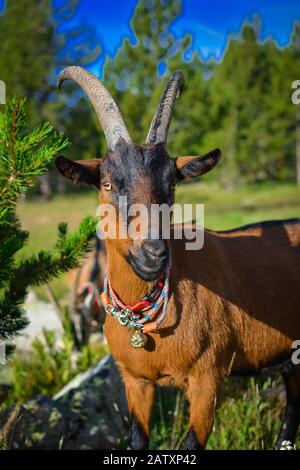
<point>22,157</point>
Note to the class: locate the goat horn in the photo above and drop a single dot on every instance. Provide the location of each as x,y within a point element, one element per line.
<point>107,111</point>
<point>158,131</point>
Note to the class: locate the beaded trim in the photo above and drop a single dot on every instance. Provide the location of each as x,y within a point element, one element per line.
<point>130,316</point>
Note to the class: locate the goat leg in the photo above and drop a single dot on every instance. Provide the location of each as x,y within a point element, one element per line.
<point>202,394</point>
<point>140,398</point>
<point>288,432</point>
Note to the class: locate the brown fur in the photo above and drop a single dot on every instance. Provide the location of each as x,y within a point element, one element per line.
<point>234,305</point>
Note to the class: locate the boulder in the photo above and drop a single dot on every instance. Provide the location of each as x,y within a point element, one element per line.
<point>90,412</point>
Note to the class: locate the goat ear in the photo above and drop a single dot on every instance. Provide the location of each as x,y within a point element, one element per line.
<point>188,168</point>
<point>82,171</point>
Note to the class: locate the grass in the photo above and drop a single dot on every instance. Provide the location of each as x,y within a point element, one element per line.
<point>251,203</point>
<point>248,417</point>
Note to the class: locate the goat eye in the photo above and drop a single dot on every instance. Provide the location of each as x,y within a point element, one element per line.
<point>107,186</point>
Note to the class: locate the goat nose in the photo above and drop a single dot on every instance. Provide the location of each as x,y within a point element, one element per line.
<point>155,247</point>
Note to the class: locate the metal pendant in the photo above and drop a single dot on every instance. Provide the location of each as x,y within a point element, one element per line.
<point>138,339</point>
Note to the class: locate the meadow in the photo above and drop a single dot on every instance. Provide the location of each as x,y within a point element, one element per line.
<point>249,415</point>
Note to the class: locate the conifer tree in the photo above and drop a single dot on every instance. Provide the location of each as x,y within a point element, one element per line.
<point>24,155</point>
<point>132,74</point>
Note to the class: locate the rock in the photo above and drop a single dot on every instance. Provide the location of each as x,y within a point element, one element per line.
<point>88,413</point>
<point>41,315</point>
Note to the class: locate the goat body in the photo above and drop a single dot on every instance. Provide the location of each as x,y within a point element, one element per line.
<point>234,306</point>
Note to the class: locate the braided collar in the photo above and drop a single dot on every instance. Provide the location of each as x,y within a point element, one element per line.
<point>137,315</point>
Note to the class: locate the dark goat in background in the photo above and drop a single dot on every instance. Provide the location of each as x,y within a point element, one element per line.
<point>85,283</point>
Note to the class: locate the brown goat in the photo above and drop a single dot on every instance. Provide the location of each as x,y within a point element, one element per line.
<point>233,305</point>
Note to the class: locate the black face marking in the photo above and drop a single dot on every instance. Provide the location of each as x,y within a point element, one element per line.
<point>140,264</point>
<point>145,174</point>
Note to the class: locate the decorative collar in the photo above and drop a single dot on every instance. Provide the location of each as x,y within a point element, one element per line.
<point>135,316</point>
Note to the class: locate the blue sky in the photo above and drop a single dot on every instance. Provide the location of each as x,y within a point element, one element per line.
<point>210,21</point>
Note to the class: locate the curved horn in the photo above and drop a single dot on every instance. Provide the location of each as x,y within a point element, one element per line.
<point>158,131</point>
<point>107,111</point>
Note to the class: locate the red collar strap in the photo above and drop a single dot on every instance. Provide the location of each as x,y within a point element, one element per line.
<point>143,304</point>
<point>93,289</point>
<point>144,310</point>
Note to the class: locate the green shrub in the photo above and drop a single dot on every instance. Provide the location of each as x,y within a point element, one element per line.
<point>50,365</point>
<point>23,156</point>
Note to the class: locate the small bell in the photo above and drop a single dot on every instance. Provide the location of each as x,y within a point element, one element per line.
<point>138,339</point>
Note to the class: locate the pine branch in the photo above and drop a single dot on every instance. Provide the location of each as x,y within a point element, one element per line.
<point>39,269</point>
<point>22,156</point>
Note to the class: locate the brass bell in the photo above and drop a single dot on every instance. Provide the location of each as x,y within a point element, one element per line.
<point>138,339</point>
